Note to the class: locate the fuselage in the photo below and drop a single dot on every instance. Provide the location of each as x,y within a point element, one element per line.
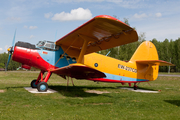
<point>114,70</point>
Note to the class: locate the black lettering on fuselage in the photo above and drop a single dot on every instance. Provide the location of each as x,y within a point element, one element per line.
<point>127,68</point>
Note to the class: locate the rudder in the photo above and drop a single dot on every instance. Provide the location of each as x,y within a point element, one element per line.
<point>146,51</point>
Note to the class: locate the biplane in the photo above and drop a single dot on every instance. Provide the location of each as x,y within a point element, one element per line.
<point>75,55</point>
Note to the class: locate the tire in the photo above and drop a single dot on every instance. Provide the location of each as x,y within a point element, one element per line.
<point>135,87</point>
<point>33,85</point>
<point>42,87</point>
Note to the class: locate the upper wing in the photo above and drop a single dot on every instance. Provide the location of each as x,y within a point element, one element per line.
<point>79,71</point>
<point>101,32</point>
<point>155,62</point>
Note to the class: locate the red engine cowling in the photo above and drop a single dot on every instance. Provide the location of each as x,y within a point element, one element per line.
<point>30,58</point>
<point>26,66</point>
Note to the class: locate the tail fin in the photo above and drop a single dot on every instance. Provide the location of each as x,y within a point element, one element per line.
<point>146,51</point>
<point>146,58</point>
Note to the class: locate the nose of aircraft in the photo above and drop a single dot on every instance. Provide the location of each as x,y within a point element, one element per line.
<point>10,51</point>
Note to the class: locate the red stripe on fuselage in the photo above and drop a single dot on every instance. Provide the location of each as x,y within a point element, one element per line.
<point>113,81</point>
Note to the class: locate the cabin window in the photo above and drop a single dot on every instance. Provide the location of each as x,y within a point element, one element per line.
<point>47,45</point>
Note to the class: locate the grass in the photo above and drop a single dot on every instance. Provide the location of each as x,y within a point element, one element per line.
<point>74,103</point>
<point>172,73</point>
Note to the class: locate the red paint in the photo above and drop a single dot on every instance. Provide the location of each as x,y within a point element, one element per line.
<point>30,57</point>
<point>113,81</point>
<point>26,66</point>
<point>45,52</point>
<point>47,76</point>
<point>110,17</point>
<point>40,77</point>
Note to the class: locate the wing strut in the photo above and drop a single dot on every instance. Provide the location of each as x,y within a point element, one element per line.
<point>84,47</point>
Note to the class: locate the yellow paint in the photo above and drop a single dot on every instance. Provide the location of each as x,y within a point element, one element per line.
<point>101,32</point>
<point>109,65</point>
<point>8,49</point>
<point>146,51</point>
<point>145,60</point>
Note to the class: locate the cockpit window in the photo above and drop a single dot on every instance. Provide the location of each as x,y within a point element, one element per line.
<point>40,43</point>
<point>47,45</point>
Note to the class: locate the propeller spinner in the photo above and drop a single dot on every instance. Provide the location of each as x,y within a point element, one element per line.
<point>10,50</point>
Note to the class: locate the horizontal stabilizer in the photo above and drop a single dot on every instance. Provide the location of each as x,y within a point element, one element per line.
<point>79,71</point>
<point>155,62</point>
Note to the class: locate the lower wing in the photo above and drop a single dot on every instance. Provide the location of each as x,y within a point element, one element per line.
<point>79,71</point>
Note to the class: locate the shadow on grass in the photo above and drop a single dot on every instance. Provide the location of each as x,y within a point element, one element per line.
<point>139,88</point>
<point>174,102</point>
<point>7,88</point>
<point>78,91</point>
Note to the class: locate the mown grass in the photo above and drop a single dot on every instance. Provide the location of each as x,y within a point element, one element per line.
<point>171,73</point>
<point>74,103</point>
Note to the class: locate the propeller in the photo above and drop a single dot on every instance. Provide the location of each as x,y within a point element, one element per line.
<point>10,50</point>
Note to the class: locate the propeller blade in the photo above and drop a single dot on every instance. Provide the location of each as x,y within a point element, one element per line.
<point>9,58</point>
<point>10,50</point>
<point>14,39</point>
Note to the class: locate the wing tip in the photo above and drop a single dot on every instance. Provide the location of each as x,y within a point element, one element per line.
<point>109,17</point>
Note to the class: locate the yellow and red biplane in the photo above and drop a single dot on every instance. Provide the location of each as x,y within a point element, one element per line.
<point>74,55</point>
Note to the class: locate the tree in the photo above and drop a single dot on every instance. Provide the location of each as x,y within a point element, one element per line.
<point>3,61</point>
<point>2,65</point>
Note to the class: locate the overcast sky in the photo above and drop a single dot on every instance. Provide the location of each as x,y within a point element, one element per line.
<point>37,20</point>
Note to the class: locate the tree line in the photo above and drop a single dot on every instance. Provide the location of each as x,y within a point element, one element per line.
<point>12,64</point>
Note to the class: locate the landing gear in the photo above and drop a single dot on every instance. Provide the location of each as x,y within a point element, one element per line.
<point>41,83</point>
<point>42,87</point>
<point>33,84</point>
<point>135,86</point>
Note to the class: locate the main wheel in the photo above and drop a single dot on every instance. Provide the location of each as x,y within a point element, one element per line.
<point>135,87</point>
<point>42,87</point>
<point>33,85</point>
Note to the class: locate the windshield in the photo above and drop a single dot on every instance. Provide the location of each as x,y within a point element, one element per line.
<point>48,45</point>
<point>40,43</point>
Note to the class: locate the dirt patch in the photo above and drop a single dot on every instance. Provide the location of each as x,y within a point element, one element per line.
<point>97,92</point>
<point>2,91</point>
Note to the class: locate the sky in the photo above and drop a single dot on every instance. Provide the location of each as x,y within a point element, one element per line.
<point>36,20</point>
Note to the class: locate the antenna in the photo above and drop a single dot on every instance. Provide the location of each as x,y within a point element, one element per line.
<point>55,36</point>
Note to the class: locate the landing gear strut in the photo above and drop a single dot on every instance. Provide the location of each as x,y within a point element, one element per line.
<point>41,83</point>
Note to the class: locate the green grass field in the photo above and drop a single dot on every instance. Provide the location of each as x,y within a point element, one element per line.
<point>75,103</point>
